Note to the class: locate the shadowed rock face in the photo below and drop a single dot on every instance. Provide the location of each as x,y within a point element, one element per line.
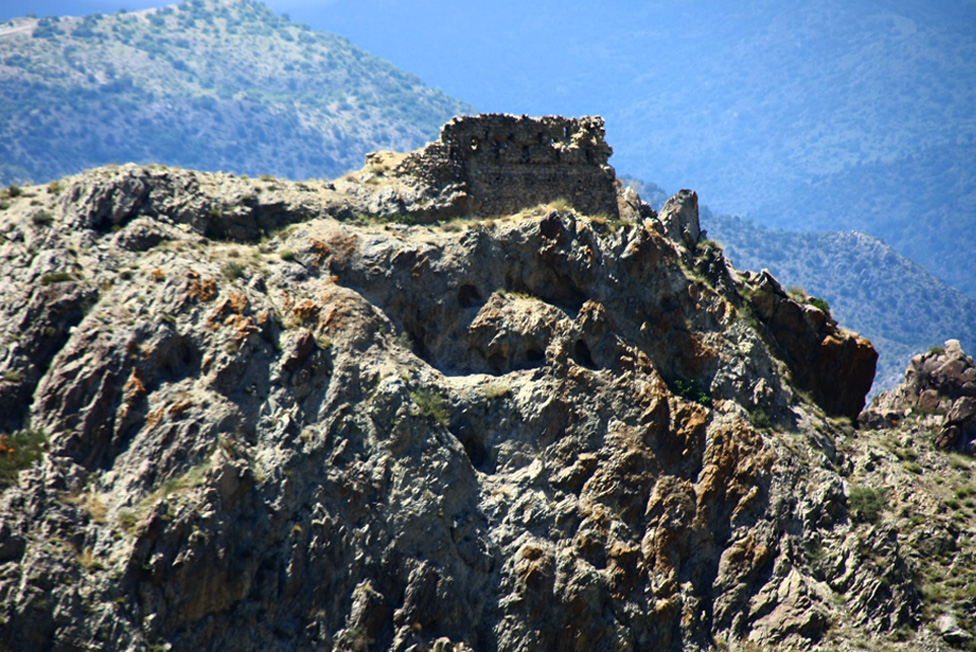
<point>534,432</point>
<point>817,351</point>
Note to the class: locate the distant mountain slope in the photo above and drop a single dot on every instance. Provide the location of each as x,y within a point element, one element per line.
<point>871,288</point>
<point>208,84</point>
<point>818,117</point>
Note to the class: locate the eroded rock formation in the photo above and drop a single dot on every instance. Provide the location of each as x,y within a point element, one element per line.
<point>272,428</point>
<point>940,384</point>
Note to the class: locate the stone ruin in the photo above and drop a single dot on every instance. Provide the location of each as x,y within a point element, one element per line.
<point>496,164</point>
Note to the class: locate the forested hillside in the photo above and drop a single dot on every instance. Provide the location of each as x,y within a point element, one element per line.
<point>207,84</point>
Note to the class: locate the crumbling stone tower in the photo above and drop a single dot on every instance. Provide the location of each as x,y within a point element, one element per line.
<point>498,164</point>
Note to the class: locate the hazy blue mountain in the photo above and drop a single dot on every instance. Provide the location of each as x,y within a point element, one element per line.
<point>210,85</point>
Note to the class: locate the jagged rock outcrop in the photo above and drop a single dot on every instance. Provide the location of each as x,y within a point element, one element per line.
<point>940,383</point>
<point>679,219</point>
<point>816,350</point>
<point>273,426</point>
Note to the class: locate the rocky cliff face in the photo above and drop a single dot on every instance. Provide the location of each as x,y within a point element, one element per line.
<point>276,418</point>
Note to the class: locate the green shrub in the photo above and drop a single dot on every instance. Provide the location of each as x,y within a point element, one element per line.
<point>913,467</point>
<point>431,404</point>
<point>821,304</point>
<point>14,191</point>
<point>233,270</point>
<point>42,218</point>
<point>56,277</point>
<point>18,451</point>
<point>689,390</point>
<point>865,504</point>
<point>760,419</point>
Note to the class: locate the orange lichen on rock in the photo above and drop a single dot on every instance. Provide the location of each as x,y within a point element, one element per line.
<point>180,407</point>
<point>135,387</point>
<point>306,311</point>
<point>735,462</point>
<point>235,304</point>
<point>201,288</point>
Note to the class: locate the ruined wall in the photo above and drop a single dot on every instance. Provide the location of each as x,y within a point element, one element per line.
<point>506,163</point>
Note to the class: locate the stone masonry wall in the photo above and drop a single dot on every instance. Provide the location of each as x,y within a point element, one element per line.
<point>506,163</point>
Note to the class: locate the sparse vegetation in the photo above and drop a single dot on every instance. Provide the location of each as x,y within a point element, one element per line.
<point>858,292</point>
<point>821,304</point>
<point>194,477</point>
<point>432,405</point>
<point>867,503</point>
<point>493,391</point>
<point>605,224</point>
<point>18,451</point>
<point>759,418</point>
<point>366,219</point>
<point>42,218</point>
<point>232,270</point>
<point>689,390</point>
<point>913,467</point>
<point>89,561</point>
<point>91,502</point>
<point>561,205</point>
<point>128,519</point>
<point>207,62</point>
<point>56,277</point>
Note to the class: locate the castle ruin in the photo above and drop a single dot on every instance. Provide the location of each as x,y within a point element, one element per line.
<point>496,164</point>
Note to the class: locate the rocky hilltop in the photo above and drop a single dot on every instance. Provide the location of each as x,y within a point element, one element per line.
<point>404,410</point>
